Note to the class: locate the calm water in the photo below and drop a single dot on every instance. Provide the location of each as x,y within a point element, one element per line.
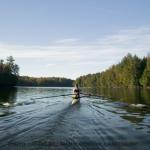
<point>116,119</point>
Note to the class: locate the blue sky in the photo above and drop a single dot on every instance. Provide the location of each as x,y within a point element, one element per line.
<point>72,37</point>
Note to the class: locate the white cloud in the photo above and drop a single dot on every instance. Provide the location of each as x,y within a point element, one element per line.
<point>50,65</point>
<point>67,41</point>
<point>94,56</point>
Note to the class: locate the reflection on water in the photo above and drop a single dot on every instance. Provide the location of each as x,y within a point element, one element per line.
<point>129,95</point>
<point>8,95</point>
<point>117,119</point>
<point>135,101</point>
<point>7,99</point>
<point>133,119</point>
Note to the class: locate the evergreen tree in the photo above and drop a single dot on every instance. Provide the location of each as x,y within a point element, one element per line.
<point>145,80</point>
<point>127,73</point>
<point>9,72</point>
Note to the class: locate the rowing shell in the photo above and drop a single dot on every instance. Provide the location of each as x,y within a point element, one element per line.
<point>75,100</point>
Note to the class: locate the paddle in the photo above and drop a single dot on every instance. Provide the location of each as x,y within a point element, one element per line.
<point>51,96</point>
<point>85,95</point>
<point>89,95</point>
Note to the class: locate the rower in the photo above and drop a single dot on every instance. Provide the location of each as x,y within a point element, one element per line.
<point>76,91</point>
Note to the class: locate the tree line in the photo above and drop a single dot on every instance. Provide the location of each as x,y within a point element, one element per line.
<point>9,72</point>
<point>131,71</point>
<point>9,76</point>
<point>44,81</point>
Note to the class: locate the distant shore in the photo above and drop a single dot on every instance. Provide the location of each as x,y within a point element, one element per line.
<point>44,81</point>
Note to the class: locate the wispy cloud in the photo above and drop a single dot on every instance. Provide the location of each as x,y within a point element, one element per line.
<point>67,41</point>
<point>50,65</point>
<point>92,56</point>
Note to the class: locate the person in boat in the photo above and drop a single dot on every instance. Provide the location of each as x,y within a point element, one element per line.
<point>76,91</point>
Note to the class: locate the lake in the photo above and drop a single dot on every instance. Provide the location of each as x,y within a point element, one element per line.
<point>108,119</point>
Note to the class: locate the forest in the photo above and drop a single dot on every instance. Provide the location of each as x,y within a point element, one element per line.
<point>132,71</point>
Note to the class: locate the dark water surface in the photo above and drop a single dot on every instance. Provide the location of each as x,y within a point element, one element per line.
<point>116,119</point>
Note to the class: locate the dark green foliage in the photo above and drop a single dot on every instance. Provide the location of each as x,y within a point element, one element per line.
<point>145,80</point>
<point>131,71</point>
<point>9,72</point>
<point>49,81</point>
<point>9,76</point>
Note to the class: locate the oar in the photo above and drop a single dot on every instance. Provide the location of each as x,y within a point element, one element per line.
<point>51,96</point>
<point>85,95</point>
<point>89,95</point>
